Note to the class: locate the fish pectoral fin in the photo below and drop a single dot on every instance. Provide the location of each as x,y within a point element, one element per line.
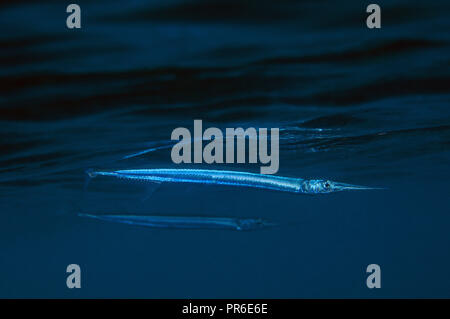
<point>150,190</point>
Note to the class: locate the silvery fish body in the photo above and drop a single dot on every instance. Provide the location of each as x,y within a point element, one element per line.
<point>232,178</point>
<point>183,222</point>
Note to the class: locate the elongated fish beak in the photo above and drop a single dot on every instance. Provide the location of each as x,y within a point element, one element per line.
<point>269,224</point>
<point>344,186</point>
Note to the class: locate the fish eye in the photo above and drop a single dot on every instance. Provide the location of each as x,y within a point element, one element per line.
<point>327,184</point>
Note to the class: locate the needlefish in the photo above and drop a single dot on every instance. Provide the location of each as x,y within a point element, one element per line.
<point>231,178</point>
<point>184,222</point>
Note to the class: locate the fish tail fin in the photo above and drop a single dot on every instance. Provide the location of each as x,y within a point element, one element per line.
<point>90,174</point>
<point>86,215</point>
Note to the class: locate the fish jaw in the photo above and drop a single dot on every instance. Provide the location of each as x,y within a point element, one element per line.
<point>337,187</point>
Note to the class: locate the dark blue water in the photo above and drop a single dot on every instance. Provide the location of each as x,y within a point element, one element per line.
<point>368,107</point>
